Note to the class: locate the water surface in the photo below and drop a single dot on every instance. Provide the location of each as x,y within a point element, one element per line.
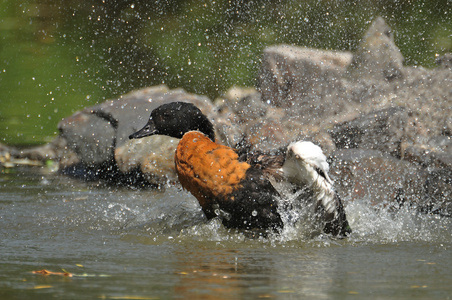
<point>121,243</point>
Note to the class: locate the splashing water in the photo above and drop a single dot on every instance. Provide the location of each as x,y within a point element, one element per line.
<point>173,214</point>
<point>384,225</point>
<point>177,214</point>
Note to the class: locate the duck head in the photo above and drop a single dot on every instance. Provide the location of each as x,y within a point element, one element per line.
<point>305,163</point>
<point>175,119</point>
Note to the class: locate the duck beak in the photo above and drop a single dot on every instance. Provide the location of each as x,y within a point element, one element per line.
<point>148,130</point>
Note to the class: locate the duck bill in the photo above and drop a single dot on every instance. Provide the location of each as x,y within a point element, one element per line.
<point>147,130</point>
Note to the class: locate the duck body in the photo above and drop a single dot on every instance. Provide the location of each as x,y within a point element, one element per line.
<point>224,186</point>
<point>305,171</point>
<point>245,190</point>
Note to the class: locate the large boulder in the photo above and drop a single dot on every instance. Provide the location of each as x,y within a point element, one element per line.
<point>304,79</point>
<point>377,57</point>
<point>98,135</point>
<point>438,193</point>
<point>95,132</point>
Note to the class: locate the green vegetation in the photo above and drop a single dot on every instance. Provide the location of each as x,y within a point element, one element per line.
<point>57,57</point>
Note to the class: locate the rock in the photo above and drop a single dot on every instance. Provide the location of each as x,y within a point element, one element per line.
<point>256,125</point>
<point>426,95</point>
<point>95,132</point>
<point>320,100</point>
<point>288,74</point>
<point>445,61</point>
<point>56,151</point>
<point>437,154</point>
<point>376,177</point>
<point>91,137</point>
<point>245,103</point>
<point>7,151</point>
<point>153,156</point>
<point>55,154</point>
<point>377,56</point>
<point>266,135</point>
<point>438,193</point>
<point>99,135</point>
<point>9,158</point>
<point>239,109</point>
<point>381,130</point>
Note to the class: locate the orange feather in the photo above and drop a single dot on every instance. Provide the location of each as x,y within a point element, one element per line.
<point>208,170</point>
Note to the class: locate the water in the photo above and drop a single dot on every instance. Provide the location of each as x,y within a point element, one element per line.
<point>122,243</point>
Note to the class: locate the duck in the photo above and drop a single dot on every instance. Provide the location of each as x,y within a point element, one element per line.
<point>249,191</point>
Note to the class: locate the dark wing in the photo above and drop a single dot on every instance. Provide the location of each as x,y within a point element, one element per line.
<point>254,204</point>
<point>269,164</point>
<point>338,226</point>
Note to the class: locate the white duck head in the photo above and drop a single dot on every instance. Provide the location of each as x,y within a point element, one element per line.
<point>306,164</point>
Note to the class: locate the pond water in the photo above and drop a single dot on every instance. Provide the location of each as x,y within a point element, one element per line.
<point>122,243</point>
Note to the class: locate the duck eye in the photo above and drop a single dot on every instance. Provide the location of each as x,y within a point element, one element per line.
<point>320,172</point>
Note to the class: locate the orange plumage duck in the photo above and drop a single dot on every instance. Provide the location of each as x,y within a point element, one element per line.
<point>243,190</point>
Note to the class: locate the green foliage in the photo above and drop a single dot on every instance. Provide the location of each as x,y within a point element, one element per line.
<point>61,56</point>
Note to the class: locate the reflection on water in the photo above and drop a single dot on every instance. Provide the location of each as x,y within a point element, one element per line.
<point>145,244</point>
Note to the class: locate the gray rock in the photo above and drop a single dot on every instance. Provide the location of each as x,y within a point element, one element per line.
<point>55,155</point>
<point>153,156</point>
<point>95,132</point>
<point>437,154</point>
<point>244,103</point>
<point>91,137</point>
<point>7,151</point>
<point>445,61</point>
<point>238,110</point>
<point>377,56</point>
<point>290,74</point>
<point>370,175</point>
<point>438,193</point>
<point>56,151</point>
<point>381,130</point>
